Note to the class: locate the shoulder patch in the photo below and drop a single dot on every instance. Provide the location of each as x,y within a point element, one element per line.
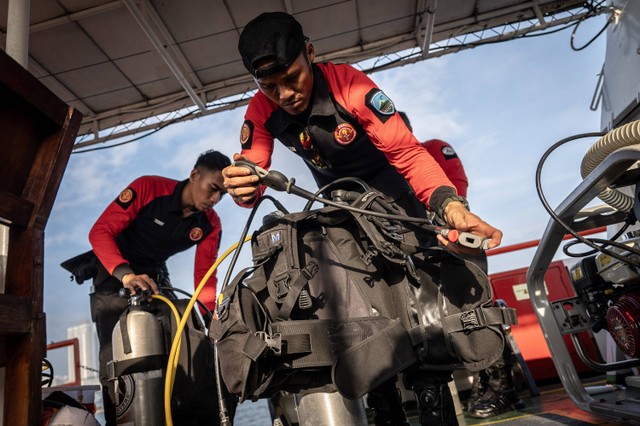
<point>448,152</point>
<point>246,134</point>
<point>126,197</point>
<point>380,104</point>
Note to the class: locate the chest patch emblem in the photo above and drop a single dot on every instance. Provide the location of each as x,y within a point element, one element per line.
<point>344,134</point>
<point>246,131</point>
<point>125,196</point>
<point>195,234</point>
<point>305,140</point>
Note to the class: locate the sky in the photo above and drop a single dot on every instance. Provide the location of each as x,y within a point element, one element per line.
<point>501,106</point>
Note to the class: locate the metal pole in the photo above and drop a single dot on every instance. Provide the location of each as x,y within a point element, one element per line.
<point>18,31</point>
<point>4,251</point>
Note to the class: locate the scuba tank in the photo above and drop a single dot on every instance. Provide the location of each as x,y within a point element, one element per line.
<point>141,343</point>
<point>138,368</point>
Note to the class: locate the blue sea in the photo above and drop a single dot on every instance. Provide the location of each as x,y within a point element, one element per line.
<point>248,414</point>
<point>253,414</point>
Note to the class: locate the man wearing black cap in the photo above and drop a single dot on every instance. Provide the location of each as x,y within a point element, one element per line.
<point>343,125</point>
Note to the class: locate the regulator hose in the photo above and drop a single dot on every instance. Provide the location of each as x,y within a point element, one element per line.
<point>175,346</point>
<point>628,134</point>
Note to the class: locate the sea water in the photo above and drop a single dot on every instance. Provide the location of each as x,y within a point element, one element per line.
<point>248,414</point>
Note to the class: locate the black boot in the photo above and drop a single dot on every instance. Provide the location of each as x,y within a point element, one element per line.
<point>478,388</point>
<point>435,405</point>
<point>500,397</point>
<point>387,407</point>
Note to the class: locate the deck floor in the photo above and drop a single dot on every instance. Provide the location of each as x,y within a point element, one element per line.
<point>552,407</point>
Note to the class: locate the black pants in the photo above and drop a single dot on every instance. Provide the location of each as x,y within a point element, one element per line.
<point>418,376</point>
<point>106,308</point>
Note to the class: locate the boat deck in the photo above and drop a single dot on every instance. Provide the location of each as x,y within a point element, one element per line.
<point>552,407</point>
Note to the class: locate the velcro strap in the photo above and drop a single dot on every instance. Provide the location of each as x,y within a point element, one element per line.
<point>254,347</point>
<point>309,338</point>
<point>417,336</point>
<point>477,318</point>
<point>297,344</point>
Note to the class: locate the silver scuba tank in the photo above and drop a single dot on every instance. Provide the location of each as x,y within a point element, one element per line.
<point>137,370</point>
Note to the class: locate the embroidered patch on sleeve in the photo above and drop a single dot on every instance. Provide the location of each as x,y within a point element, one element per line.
<point>449,152</point>
<point>126,198</point>
<point>380,104</point>
<point>246,134</point>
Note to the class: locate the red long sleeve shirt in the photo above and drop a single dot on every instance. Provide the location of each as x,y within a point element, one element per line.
<point>144,226</point>
<point>353,130</point>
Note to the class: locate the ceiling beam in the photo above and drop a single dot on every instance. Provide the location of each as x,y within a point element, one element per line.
<point>430,13</point>
<point>288,7</point>
<point>75,16</point>
<point>56,86</point>
<point>172,45</point>
<point>159,45</point>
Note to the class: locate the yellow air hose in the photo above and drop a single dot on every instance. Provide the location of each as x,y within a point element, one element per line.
<point>175,346</point>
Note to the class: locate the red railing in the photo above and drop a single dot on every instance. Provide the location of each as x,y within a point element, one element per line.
<point>76,357</point>
<point>534,243</point>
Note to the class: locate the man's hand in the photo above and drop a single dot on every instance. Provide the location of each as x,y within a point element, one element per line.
<point>143,282</point>
<point>239,182</point>
<point>458,217</point>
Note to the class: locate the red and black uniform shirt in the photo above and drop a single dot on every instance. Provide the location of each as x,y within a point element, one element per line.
<point>351,129</point>
<point>145,226</point>
<point>450,163</point>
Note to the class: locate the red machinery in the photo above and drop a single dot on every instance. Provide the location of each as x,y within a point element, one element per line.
<point>511,286</point>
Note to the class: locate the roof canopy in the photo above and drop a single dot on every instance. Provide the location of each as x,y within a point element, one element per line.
<point>134,65</point>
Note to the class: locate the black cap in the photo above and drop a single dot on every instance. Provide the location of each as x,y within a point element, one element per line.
<point>274,35</point>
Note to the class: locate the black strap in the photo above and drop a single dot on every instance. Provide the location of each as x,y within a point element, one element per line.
<point>126,343</point>
<point>136,365</point>
<point>308,272</point>
<point>228,291</point>
<point>478,318</point>
<point>376,228</point>
<point>254,347</point>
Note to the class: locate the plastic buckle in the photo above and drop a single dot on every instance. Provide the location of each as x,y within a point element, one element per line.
<point>367,256</point>
<point>310,270</point>
<point>273,342</point>
<point>469,321</point>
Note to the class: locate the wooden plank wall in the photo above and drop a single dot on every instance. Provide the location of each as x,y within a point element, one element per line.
<point>37,132</point>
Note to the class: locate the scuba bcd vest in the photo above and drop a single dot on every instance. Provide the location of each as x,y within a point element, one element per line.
<point>339,300</point>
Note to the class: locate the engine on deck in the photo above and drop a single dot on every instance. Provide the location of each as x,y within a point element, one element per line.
<point>610,290</point>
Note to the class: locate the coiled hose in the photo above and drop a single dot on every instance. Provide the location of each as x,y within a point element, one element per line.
<point>628,134</point>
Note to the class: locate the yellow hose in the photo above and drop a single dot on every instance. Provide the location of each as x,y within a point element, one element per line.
<point>171,364</point>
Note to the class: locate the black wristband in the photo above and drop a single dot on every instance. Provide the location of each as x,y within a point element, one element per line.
<point>440,213</point>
